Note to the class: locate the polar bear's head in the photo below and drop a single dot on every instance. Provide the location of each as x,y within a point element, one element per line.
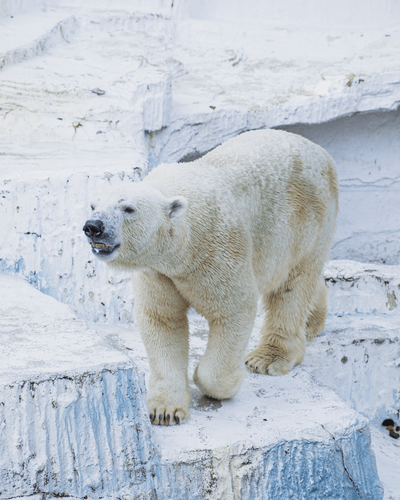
<point>129,223</point>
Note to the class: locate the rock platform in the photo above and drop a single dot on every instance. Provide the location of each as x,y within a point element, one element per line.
<point>72,411</point>
<point>75,424</point>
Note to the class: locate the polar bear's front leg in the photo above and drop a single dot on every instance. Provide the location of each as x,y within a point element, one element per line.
<point>161,313</point>
<point>221,370</point>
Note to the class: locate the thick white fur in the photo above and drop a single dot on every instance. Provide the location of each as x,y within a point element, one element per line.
<point>256,216</point>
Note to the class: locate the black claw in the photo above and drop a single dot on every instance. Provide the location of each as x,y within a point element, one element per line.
<point>256,368</point>
<point>160,416</point>
<point>151,417</point>
<point>251,366</point>
<point>246,362</point>
<point>177,420</point>
<point>168,417</point>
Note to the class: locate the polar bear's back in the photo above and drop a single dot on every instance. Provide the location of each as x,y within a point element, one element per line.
<point>274,193</point>
<point>269,156</point>
<point>266,163</point>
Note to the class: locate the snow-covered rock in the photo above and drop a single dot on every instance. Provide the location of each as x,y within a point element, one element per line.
<point>285,437</point>
<point>387,452</point>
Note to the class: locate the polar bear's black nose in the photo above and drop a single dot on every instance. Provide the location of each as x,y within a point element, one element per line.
<point>93,228</point>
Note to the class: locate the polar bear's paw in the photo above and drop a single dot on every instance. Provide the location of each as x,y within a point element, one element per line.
<point>215,384</point>
<point>269,361</point>
<point>160,414</point>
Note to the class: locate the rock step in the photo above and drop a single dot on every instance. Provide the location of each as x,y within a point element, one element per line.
<point>72,411</point>
<point>74,423</point>
<point>286,437</point>
<point>387,453</point>
<point>28,35</point>
<point>362,288</point>
<point>359,358</point>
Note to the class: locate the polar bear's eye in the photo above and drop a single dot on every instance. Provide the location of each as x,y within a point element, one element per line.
<point>129,210</point>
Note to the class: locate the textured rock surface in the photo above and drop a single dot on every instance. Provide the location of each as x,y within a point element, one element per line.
<point>281,437</point>
<point>362,288</point>
<point>359,358</point>
<point>74,423</point>
<point>241,448</point>
<point>387,452</point>
<point>73,418</point>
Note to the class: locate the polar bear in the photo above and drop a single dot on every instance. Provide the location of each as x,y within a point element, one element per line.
<point>254,217</point>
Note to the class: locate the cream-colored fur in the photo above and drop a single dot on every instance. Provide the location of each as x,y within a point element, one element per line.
<point>255,216</point>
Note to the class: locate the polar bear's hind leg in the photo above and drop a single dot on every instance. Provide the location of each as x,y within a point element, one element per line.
<point>316,319</point>
<point>283,335</point>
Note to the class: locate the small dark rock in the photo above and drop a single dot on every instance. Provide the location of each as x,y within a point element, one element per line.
<point>344,359</point>
<point>98,91</point>
<point>398,428</point>
<point>387,422</point>
<point>394,434</point>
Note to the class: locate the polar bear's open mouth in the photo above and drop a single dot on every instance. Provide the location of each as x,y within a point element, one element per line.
<point>102,248</point>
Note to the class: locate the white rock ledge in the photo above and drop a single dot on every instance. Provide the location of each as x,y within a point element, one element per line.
<point>279,438</point>
<point>74,423</point>
<point>72,416</point>
<point>358,356</point>
<point>362,288</point>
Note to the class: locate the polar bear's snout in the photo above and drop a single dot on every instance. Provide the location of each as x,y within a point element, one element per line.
<point>93,228</point>
<point>101,237</point>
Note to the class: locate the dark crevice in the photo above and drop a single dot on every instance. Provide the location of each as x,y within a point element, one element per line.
<point>343,462</point>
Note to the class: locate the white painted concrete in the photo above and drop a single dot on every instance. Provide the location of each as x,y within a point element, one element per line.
<point>278,438</point>
<point>387,452</point>
<point>359,358</point>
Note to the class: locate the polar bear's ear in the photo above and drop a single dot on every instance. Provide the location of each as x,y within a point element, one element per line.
<point>177,206</point>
